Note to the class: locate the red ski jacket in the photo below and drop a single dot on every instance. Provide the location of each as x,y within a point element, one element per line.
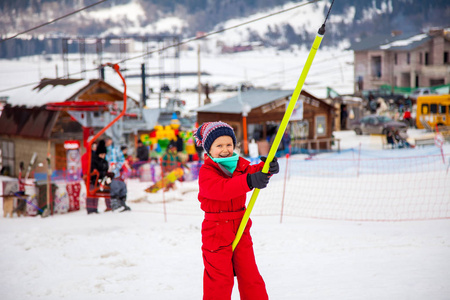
<point>220,193</point>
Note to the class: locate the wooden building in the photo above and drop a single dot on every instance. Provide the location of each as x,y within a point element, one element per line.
<point>26,126</point>
<point>311,123</point>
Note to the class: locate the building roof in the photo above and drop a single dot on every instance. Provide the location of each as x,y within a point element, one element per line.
<point>252,98</point>
<point>52,91</point>
<point>36,122</point>
<point>45,93</point>
<point>403,42</point>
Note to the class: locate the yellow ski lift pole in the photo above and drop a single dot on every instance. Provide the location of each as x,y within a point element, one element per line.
<point>282,128</point>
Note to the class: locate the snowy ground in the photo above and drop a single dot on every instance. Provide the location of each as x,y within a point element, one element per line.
<point>142,255</point>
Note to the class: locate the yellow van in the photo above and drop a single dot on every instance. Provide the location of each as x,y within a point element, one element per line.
<point>432,110</point>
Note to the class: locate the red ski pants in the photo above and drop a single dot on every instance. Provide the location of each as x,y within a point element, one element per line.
<point>222,264</point>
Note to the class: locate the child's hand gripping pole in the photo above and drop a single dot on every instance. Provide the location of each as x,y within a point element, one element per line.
<point>281,129</point>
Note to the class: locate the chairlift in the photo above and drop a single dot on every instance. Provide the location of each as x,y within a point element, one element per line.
<point>99,191</point>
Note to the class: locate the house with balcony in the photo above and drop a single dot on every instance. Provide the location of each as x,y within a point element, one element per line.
<point>401,60</point>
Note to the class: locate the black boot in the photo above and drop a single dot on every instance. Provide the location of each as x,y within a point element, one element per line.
<point>115,204</point>
<point>125,207</point>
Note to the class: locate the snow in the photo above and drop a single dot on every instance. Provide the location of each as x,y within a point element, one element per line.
<point>269,68</point>
<point>144,255</point>
<point>30,97</point>
<point>131,11</point>
<point>404,42</point>
<point>266,68</point>
<point>306,16</point>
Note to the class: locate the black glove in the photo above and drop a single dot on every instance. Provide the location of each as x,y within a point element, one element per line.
<point>258,180</point>
<point>274,168</point>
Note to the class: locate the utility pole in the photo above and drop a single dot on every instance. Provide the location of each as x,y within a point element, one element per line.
<point>199,85</point>
<point>144,94</point>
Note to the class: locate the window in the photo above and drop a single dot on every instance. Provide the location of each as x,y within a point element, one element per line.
<point>433,108</point>
<point>321,126</point>
<point>395,58</point>
<point>442,109</point>
<point>408,58</point>
<point>446,61</point>
<point>7,158</point>
<point>427,62</point>
<point>425,109</point>
<point>420,57</point>
<point>376,66</point>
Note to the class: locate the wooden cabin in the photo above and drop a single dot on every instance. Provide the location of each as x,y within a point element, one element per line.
<point>311,124</point>
<point>27,126</point>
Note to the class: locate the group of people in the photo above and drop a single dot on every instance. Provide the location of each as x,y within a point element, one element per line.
<point>109,169</point>
<point>397,139</point>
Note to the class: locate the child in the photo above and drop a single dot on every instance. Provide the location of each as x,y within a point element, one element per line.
<point>98,163</point>
<point>224,180</point>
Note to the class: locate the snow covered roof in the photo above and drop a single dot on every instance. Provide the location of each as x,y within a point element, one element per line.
<point>389,42</point>
<point>253,98</point>
<point>53,90</point>
<point>407,43</point>
<point>45,93</point>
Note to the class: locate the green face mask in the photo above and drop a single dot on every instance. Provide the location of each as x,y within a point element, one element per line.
<point>229,163</point>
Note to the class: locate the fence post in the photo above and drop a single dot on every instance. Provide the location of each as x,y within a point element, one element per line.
<point>359,160</point>
<point>284,188</point>
<point>163,189</point>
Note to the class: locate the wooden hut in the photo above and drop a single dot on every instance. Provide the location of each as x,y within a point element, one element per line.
<point>26,126</point>
<point>311,124</point>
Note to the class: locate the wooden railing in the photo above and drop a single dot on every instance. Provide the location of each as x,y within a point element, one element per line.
<point>314,144</point>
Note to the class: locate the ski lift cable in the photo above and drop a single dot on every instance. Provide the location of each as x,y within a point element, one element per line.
<point>189,40</point>
<point>52,21</point>
<point>283,125</point>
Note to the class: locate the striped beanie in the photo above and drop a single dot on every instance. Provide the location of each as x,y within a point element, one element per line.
<point>210,131</point>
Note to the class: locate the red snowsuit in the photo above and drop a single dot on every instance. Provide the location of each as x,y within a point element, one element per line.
<point>223,200</point>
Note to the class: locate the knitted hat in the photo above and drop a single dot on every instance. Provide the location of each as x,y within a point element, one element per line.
<point>210,131</point>
<point>101,148</point>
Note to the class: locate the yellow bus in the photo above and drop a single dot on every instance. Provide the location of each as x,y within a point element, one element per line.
<point>433,110</point>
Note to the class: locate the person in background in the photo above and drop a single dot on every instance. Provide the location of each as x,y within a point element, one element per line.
<point>115,159</point>
<point>20,194</point>
<point>128,158</point>
<point>118,186</point>
<point>407,117</point>
<point>180,147</point>
<point>113,152</point>
<point>190,149</point>
<point>99,163</point>
<point>142,151</point>
<point>224,180</point>
<point>84,157</point>
<point>170,161</point>
<point>344,116</point>
<point>390,138</point>
<point>286,140</point>
<point>401,138</point>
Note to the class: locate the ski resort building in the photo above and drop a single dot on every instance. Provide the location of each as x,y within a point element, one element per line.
<point>310,126</point>
<point>28,125</point>
<point>402,60</point>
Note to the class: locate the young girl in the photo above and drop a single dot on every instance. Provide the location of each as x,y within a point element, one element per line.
<point>224,180</point>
